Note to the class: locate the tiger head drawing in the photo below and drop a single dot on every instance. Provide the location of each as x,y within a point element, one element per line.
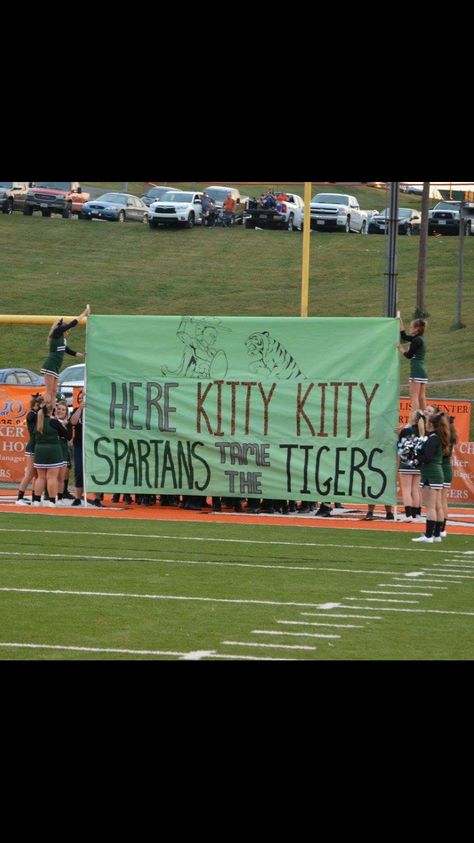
<point>269,357</point>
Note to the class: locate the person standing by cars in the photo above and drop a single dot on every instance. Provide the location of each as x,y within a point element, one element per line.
<point>57,347</point>
<point>208,210</point>
<point>416,355</point>
<point>228,208</point>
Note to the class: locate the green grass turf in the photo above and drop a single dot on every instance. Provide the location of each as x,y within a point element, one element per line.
<point>236,579</point>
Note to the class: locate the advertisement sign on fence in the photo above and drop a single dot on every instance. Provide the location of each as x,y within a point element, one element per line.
<point>14,408</point>
<point>461,410</point>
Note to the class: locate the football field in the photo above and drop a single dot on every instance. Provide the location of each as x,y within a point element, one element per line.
<point>101,588</point>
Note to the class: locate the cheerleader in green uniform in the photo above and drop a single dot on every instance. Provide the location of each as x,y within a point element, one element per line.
<point>49,457</point>
<point>57,347</point>
<point>432,478</point>
<point>448,470</point>
<point>416,355</point>
<point>61,414</point>
<point>30,471</point>
<point>410,474</point>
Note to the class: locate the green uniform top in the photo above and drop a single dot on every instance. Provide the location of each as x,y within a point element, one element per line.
<point>447,465</point>
<point>416,355</point>
<point>431,458</point>
<point>48,450</point>
<point>57,347</point>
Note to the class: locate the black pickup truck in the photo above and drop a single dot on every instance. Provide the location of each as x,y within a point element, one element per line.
<point>286,213</point>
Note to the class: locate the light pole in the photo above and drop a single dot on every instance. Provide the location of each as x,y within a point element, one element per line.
<point>457,323</point>
<point>390,292</point>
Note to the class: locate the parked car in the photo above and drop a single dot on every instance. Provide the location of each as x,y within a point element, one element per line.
<point>12,196</point>
<point>409,221</point>
<point>157,192</point>
<point>178,207</point>
<point>445,217</point>
<point>58,197</point>
<point>219,193</point>
<point>415,189</point>
<point>69,378</point>
<point>116,207</point>
<point>21,377</point>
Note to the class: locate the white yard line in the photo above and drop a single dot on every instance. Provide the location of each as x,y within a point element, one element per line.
<point>294,634</point>
<point>407,585</point>
<point>160,560</point>
<point>92,649</point>
<point>338,615</point>
<point>272,646</point>
<point>415,611</point>
<point>67,592</point>
<point>191,656</point>
<point>423,579</point>
<point>380,600</point>
<point>316,623</point>
<point>157,559</point>
<point>83,533</point>
<point>408,593</point>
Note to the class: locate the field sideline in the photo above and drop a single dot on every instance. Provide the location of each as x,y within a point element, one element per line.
<point>123,588</point>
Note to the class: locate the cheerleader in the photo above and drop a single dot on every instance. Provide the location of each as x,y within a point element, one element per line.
<point>430,460</point>
<point>447,467</point>
<point>409,473</point>
<point>30,471</point>
<point>61,414</point>
<point>57,346</point>
<point>48,454</point>
<point>416,355</point>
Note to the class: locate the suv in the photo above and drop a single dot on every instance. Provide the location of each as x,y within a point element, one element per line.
<point>12,195</point>
<point>444,218</point>
<point>156,192</point>
<point>69,378</point>
<point>60,197</point>
<point>178,207</point>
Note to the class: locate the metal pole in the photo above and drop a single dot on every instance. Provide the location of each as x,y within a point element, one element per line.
<point>306,234</point>
<point>422,252</point>
<point>458,323</point>
<point>125,186</point>
<point>390,303</point>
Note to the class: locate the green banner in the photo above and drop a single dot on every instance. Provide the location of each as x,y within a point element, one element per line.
<point>282,408</point>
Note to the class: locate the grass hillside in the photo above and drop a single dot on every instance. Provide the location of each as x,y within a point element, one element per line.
<point>54,266</point>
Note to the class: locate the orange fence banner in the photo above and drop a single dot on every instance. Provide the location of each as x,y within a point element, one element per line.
<point>461,410</point>
<point>14,408</point>
<point>462,486</point>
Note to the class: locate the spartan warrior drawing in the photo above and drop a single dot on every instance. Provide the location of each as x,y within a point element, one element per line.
<point>201,358</point>
<point>269,357</point>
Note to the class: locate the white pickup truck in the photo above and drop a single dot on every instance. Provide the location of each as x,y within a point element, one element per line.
<point>337,212</point>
